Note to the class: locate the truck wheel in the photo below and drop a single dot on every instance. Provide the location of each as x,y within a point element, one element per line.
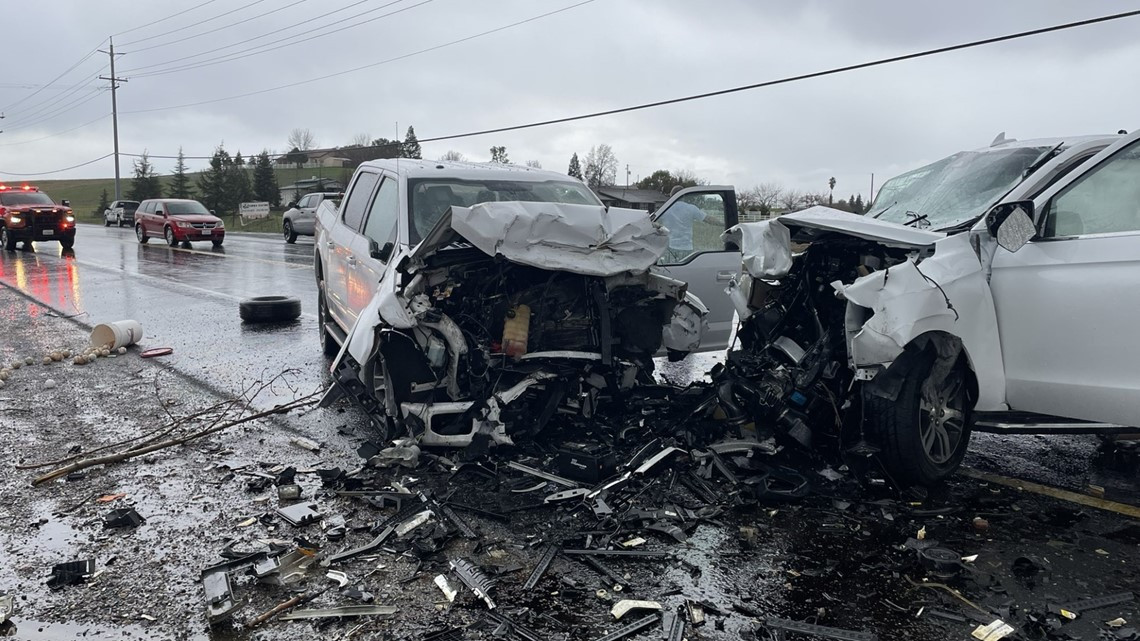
<point>7,239</point>
<point>118,222</point>
<point>67,243</point>
<point>328,345</point>
<point>106,223</point>
<point>170,239</point>
<point>269,309</point>
<point>287,230</point>
<point>140,234</point>
<point>923,440</point>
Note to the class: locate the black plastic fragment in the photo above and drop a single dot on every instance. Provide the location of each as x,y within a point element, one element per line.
<point>548,552</point>
<point>462,525</point>
<point>605,571</point>
<point>475,580</point>
<point>513,627</point>
<point>1084,605</point>
<point>123,517</point>
<point>644,554</point>
<point>631,629</point>
<point>777,623</point>
<point>674,624</point>
<point>70,573</point>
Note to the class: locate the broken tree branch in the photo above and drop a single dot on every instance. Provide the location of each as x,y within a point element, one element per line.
<point>124,456</point>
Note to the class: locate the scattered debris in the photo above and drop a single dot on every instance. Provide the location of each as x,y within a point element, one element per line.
<point>625,606</point>
<point>70,573</point>
<point>7,605</point>
<point>300,514</point>
<point>123,517</point>
<point>343,611</point>
<point>471,576</point>
<point>448,592</point>
<point>995,631</point>
<point>305,443</point>
<point>631,629</point>
<point>775,623</point>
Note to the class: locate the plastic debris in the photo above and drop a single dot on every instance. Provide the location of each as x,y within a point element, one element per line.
<point>305,443</point>
<point>123,517</point>
<point>995,631</point>
<point>448,592</point>
<point>625,606</point>
<point>300,514</point>
<point>70,573</point>
<point>472,577</point>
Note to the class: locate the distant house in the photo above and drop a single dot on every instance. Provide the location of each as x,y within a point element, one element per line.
<point>631,198</point>
<point>334,157</point>
<point>289,193</point>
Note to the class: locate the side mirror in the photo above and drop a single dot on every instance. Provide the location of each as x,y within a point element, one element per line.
<point>291,205</point>
<point>381,254</point>
<point>162,212</point>
<point>1012,224</point>
<point>213,213</point>
<point>65,202</point>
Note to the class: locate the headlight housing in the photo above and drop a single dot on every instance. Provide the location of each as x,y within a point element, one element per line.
<point>219,224</point>
<point>69,218</point>
<point>16,220</point>
<point>183,224</point>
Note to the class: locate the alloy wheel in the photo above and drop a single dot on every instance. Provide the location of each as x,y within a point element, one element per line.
<point>942,419</point>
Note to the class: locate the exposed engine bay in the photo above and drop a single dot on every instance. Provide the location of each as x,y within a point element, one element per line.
<point>471,342</point>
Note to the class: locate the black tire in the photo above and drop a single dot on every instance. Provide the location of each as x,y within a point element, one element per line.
<point>7,239</point>
<point>922,443</point>
<point>106,223</point>
<point>169,234</point>
<point>269,309</point>
<point>217,243</point>
<point>287,230</point>
<point>328,343</point>
<point>119,222</point>
<point>141,235</point>
<point>67,243</point>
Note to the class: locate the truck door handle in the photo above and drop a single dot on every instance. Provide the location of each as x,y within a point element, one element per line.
<point>351,260</point>
<point>329,244</point>
<point>725,275</point>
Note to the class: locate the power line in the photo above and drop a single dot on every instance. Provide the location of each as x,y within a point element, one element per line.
<point>167,33</point>
<point>53,80</point>
<point>58,133</point>
<point>173,15</point>
<point>56,171</point>
<point>274,46</point>
<point>34,111</point>
<point>216,29</point>
<point>58,111</point>
<point>361,68</point>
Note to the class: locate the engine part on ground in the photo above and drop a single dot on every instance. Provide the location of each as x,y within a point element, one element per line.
<point>269,309</point>
<point>940,562</point>
<point>588,462</point>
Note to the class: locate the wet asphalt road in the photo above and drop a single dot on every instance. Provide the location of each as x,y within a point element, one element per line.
<point>185,298</point>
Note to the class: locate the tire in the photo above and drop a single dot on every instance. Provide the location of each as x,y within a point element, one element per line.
<point>67,243</point>
<point>922,443</point>
<point>328,344</point>
<point>217,243</point>
<point>106,223</point>
<point>141,235</point>
<point>7,239</point>
<point>118,222</point>
<point>287,230</point>
<point>269,309</point>
<point>170,239</point>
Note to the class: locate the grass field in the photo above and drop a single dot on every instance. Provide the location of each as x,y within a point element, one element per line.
<point>84,193</point>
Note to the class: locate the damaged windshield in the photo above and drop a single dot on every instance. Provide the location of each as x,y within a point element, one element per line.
<point>428,198</point>
<point>955,189</point>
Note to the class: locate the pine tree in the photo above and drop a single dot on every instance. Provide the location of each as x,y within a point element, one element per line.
<point>104,204</point>
<point>145,184</point>
<point>238,160</point>
<point>575,169</point>
<point>237,189</point>
<point>411,146</point>
<point>499,154</point>
<point>180,183</point>
<point>265,180</point>
<point>212,182</point>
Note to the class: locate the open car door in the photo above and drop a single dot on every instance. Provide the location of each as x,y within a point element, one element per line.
<point>696,217</point>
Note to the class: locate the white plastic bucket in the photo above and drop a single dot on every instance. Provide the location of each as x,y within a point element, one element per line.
<point>117,334</point>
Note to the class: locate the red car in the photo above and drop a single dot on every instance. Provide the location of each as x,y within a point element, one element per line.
<point>178,221</point>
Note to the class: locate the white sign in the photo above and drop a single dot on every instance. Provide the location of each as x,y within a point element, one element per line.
<point>251,211</point>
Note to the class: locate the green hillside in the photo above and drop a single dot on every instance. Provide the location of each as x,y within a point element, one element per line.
<point>84,193</point>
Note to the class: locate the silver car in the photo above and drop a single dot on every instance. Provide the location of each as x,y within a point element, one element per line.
<point>300,216</point>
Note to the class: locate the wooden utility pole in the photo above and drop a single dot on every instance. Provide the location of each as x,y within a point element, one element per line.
<point>114,110</point>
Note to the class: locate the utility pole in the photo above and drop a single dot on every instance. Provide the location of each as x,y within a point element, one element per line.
<point>114,109</point>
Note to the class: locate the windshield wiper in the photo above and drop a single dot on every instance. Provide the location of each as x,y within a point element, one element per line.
<point>885,210</point>
<point>916,218</point>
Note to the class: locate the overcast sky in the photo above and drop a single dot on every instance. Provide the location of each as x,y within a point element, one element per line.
<point>601,55</point>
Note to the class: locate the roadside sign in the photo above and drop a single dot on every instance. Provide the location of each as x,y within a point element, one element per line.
<point>252,211</point>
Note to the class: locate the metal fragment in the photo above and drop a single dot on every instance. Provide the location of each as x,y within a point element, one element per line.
<point>567,495</point>
<point>631,629</point>
<point>546,476</point>
<point>343,611</point>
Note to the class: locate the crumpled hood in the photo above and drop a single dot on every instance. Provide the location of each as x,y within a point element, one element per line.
<point>766,245</point>
<point>580,239</point>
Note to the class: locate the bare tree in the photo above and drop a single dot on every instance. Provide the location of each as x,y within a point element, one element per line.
<point>791,199</point>
<point>768,194</point>
<point>453,156</point>
<point>301,139</point>
<point>688,178</point>
<point>361,140</point>
<point>534,163</point>
<point>601,166</point>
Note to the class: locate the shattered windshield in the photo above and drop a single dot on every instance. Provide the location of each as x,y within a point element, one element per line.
<point>955,189</point>
<point>428,198</point>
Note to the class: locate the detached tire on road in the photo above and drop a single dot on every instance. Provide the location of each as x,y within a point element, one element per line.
<point>269,309</point>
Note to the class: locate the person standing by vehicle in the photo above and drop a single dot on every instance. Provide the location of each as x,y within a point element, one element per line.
<point>679,219</point>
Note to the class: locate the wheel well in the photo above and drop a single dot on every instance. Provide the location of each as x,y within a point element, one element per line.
<point>888,383</point>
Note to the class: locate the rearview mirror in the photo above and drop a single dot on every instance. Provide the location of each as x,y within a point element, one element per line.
<point>1012,224</point>
<point>381,254</point>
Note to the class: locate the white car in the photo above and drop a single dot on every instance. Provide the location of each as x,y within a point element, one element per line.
<point>121,213</point>
<point>1017,316</point>
<point>469,297</point>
